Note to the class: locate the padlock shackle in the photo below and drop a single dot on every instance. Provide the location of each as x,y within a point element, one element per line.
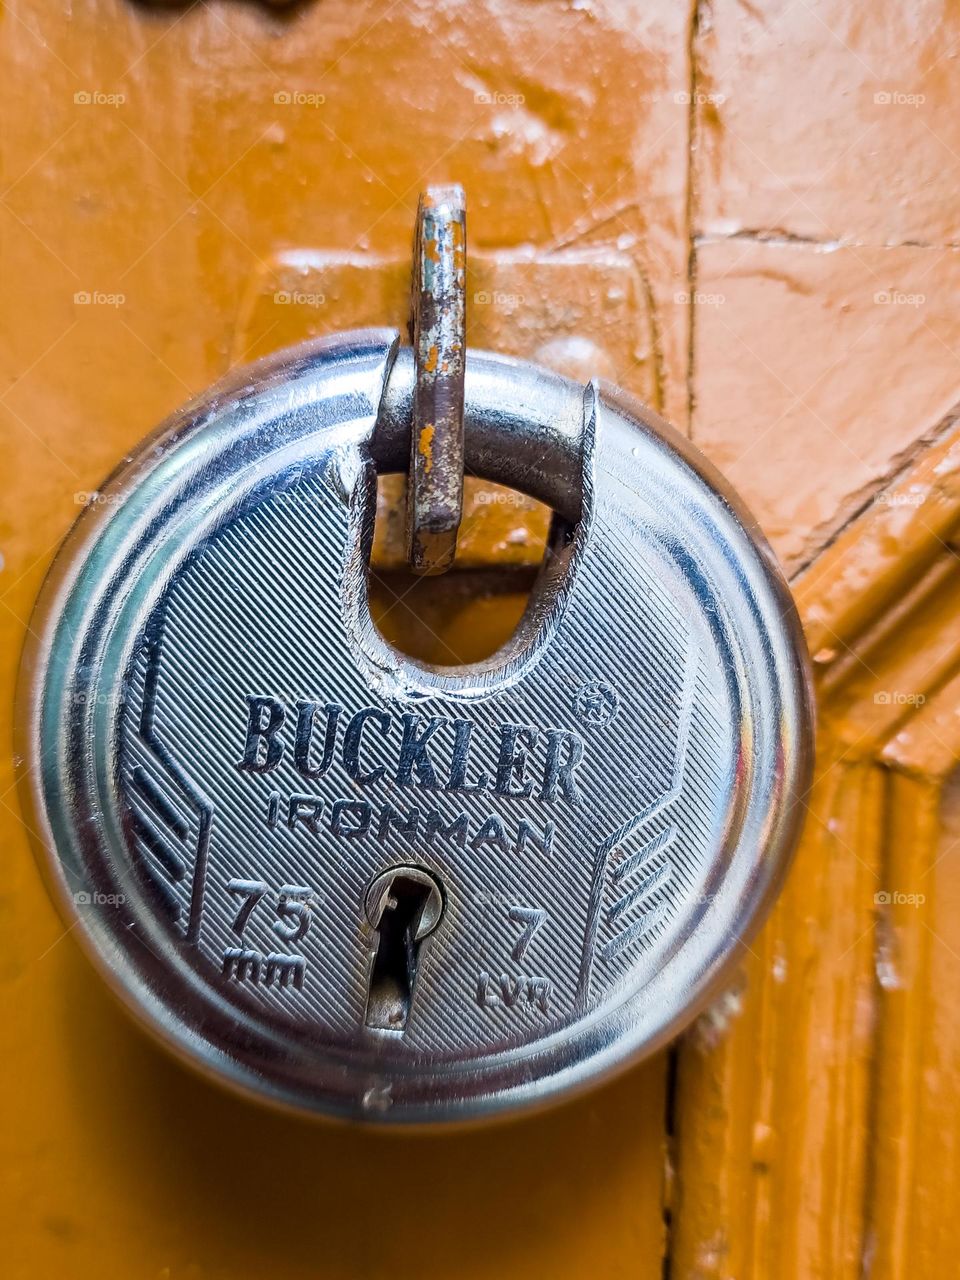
<point>533,444</point>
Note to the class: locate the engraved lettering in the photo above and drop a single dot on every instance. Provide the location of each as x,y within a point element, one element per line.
<point>455,830</point>
<point>526,834</point>
<point>413,752</point>
<point>306,810</point>
<point>510,993</point>
<point>354,819</point>
<point>293,908</point>
<point>273,810</point>
<point>539,991</point>
<point>306,715</point>
<point>276,970</point>
<point>531,919</point>
<point>493,834</point>
<point>463,731</point>
<point>351,745</point>
<point>515,742</point>
<point>284,971</point>
<point>251,891</point>
<point>404,825</point>
<point>564,753</point>
<point>241,964</point>
<point>263,748</point>
<point>510,989</point>
<point>350,818</point>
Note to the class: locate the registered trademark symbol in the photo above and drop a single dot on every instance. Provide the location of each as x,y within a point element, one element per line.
<point>596,704</point>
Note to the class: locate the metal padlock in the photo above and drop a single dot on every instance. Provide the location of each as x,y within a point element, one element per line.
<point>340,880</point>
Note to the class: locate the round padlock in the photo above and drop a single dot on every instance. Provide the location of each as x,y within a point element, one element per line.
<point>348,883</point>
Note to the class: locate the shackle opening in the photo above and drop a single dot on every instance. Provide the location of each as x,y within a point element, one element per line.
<point>523,430</point>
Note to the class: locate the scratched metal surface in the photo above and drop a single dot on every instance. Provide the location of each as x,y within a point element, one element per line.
<point>657,704</point>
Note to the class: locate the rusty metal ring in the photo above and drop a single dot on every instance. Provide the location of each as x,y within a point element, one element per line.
<point>435,486</point>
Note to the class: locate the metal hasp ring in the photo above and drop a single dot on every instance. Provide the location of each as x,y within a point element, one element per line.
<point>435,483</point>
<point>349,883</point>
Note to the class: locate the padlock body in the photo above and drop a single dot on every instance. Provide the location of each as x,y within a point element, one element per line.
<point>231,755</point>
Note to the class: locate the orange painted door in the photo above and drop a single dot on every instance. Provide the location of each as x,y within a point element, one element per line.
<point>747,215</point>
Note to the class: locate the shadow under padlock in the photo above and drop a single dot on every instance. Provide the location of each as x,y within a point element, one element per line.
<point>512,1191</point>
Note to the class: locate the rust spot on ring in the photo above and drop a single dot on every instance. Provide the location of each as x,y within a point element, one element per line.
<point>425,446</point>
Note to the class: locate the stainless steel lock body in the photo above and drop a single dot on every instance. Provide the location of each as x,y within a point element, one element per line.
<point>354,885</point>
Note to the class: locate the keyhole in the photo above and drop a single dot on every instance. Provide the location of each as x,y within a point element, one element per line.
<point>404,905</point>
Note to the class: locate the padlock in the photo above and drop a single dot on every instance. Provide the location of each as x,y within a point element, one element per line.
<point>346,882</point>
